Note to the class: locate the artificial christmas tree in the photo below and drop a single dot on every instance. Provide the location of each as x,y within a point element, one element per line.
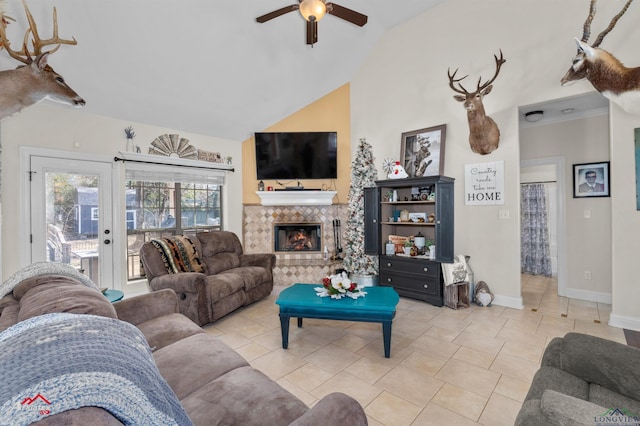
<point>363,175</point>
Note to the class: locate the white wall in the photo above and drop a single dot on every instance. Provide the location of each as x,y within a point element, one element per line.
<point>625,223</point>
<point>403,86</point>
<point>53,126</point>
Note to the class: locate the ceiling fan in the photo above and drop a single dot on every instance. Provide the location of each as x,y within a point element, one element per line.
<point>312,11</point>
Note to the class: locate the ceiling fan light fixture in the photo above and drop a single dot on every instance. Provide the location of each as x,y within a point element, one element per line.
<point>313,10</point>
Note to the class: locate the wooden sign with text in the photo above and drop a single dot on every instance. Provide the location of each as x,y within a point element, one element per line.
<point>484,183</point>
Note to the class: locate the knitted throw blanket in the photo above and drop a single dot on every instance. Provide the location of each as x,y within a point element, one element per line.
<point>179,254</point>
<point>57,362</point>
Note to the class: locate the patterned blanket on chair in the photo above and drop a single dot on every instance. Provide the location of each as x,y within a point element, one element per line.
<point>179,254</point>
<point>58,362</point>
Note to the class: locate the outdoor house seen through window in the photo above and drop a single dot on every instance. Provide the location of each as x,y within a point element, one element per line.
<point>159,209</point>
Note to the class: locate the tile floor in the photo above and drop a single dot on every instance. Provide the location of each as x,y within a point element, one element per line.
<point>447,367</point>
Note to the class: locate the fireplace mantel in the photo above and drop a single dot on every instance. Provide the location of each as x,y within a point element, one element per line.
<point>296,198</point>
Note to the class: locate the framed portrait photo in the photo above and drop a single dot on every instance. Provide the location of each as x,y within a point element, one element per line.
<point>591,180</point>
<point>422,151</point>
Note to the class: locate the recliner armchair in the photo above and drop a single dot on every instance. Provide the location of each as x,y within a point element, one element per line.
<point>227,279</point>
<point>583,380</point>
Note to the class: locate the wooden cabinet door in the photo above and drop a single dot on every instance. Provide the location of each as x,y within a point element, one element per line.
<point>371,221</point>
<point>444,224</point>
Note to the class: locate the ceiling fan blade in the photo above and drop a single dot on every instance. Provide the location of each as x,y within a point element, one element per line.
<point>347,14</point>
<point>267,17</point>
<point>312,32</point>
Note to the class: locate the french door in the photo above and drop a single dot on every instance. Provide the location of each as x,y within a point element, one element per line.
<point>71,215</point>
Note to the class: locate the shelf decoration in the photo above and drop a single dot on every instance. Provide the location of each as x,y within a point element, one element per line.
<point>338,286</point>
<point>212,157</point>
<point>128,131</point>
<point>363,175</point>
<point>387,165</point>
<point>398,172</point>
<point>172,145</point>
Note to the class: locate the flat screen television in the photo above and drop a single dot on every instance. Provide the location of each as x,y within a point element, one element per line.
<point>296,155</point>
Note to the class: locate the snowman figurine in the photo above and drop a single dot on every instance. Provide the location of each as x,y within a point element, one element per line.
<point>397,172</point>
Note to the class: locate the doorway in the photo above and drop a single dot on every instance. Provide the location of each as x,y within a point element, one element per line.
<point>564,132</point>
<point>71,215</point>
<point>550,172</point>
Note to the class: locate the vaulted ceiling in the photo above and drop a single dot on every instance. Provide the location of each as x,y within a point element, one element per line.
<point>205,66</point>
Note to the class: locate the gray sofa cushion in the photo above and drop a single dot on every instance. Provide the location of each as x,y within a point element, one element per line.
<point>223,285</point>
<point>559,381</point>
<point>251,276</point>
<point>191,363</point>
<point>246,397</point>
<point>220,250</point>
<point>164,330</point>
<point>609,399</point>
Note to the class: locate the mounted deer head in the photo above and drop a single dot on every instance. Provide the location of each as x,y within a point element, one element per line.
<point>484,135</point>
<point>35,80</point>
<point>606,73</point>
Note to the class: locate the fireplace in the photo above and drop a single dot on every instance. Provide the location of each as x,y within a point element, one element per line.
<point>297,237</point>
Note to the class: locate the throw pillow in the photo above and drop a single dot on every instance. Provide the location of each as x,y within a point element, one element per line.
<point>179,254</point>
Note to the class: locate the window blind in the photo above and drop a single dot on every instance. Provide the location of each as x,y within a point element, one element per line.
<point>160,172</point>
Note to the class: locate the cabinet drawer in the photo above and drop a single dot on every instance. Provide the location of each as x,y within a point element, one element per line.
<point>411,266</point>
<point>424,284</point>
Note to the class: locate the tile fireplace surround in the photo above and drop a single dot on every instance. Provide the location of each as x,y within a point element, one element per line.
<point>294,267</point>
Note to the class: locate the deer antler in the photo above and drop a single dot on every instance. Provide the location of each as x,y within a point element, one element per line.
<point>24,55</point>
<point>586,28</point>
<point>453,80</point>
<point>612,24</point>
<point>499,63</point>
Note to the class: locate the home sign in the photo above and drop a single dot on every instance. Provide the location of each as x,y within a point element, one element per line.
<point>484,183</point>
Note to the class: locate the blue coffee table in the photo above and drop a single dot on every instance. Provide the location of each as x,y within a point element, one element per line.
<point>300,301</point>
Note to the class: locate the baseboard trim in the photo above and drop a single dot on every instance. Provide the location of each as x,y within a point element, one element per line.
<point>589,296</point>
<point>508,302</point>
<point>624,321</point>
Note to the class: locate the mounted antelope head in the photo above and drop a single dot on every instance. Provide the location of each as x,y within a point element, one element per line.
<point>35,80</point>
<point>484,135</point>
<point>606,73</point>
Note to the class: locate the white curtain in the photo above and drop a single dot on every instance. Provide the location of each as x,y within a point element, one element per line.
<point>534,230</point>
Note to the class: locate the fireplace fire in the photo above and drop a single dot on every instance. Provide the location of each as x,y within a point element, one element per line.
<point>297,237</point>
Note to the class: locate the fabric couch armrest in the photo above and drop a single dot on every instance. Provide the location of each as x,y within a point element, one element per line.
<point>607,363</point>
<point>334,409</point>
<point>552,353</point>
<point>565,410</point>
<point>191,289</point>
<point>265,260</point>
<point>145,307</point>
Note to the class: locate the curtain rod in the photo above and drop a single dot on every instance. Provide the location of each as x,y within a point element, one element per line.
<point>116,159</point>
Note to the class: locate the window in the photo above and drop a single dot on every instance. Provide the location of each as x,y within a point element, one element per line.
<point>157,209</point>
<point>164,200</point>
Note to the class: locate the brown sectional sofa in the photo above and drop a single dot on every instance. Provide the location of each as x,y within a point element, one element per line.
<point>213,383</point>
<point>229,279</point>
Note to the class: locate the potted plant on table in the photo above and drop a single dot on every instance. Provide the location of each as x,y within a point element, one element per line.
<point>408,245</point>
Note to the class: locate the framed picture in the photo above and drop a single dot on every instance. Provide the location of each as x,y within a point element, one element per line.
<point>591,180</point>
<point>418,217</point>
<point>422,151</point>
